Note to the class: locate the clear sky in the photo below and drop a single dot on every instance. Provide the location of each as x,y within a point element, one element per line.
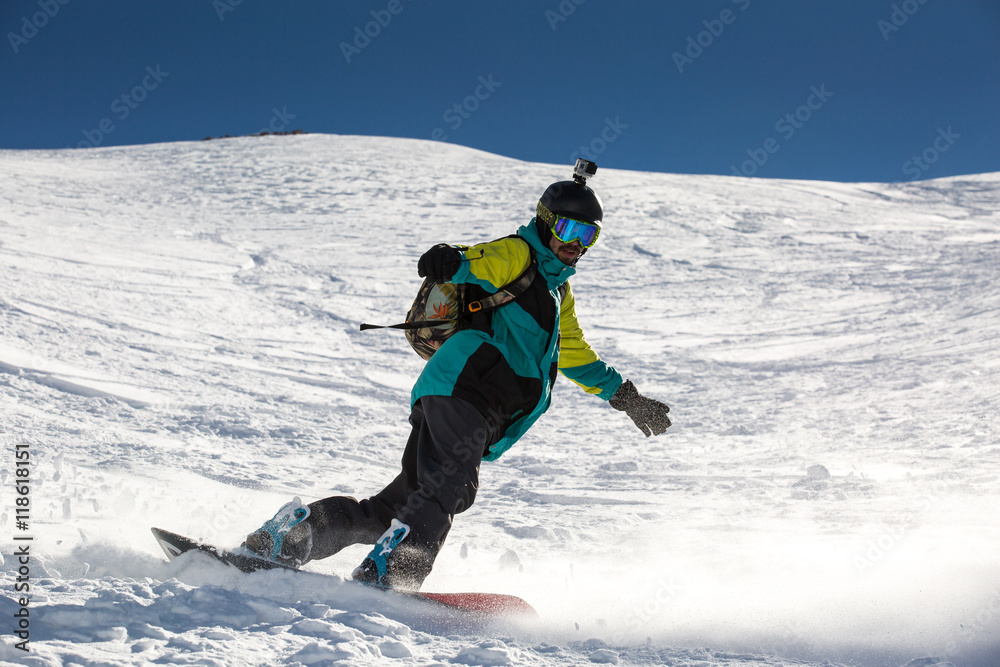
<point>849,90</point>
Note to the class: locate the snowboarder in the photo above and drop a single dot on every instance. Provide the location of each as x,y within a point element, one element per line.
<point>477,395</point>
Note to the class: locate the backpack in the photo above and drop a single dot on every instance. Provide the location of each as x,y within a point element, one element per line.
<point>442,309</point>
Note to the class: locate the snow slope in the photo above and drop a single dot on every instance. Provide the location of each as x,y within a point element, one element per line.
<point>179,347</point>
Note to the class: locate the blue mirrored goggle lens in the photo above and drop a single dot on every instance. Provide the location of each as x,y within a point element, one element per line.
<point>568,230</point>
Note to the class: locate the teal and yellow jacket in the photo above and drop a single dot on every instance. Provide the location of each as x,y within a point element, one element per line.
<point>506,361</point>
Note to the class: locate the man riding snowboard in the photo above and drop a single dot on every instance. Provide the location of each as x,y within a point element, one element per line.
<point>477,395</point>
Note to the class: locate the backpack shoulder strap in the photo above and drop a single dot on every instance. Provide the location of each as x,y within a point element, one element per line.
<point>511,290</point>
<point>501,297</point>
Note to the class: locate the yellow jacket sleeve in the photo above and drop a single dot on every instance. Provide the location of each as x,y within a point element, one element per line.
<point>577,360</point>
<point>492,265</point>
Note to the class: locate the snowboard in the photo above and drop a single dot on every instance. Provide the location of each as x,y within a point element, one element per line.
<point>479,604</point>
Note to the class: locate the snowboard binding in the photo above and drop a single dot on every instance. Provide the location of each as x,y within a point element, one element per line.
<point>285,538</point>
<point>374,570</point>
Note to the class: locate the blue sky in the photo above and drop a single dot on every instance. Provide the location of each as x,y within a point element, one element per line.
<point>849,90</point>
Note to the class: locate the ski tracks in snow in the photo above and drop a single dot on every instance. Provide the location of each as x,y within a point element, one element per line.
<point>179,346</point>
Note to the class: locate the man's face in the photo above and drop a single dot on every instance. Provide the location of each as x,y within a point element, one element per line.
<point>567,253</point>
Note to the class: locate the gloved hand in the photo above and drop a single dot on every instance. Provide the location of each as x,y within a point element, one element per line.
<point>648,414</point>
<point>439,263</point>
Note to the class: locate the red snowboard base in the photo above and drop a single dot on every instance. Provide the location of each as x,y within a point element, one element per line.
<point>490,604</point>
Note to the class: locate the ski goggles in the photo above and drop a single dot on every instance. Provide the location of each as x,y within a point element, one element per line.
<point>568,230</point>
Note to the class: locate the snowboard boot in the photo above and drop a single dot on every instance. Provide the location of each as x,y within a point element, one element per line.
<point>286,538</point>
<point>378,568</point>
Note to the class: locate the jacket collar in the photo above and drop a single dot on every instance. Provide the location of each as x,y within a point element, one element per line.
<point>550,266</point>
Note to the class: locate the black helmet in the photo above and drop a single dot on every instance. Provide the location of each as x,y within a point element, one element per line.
<point>572,199</point>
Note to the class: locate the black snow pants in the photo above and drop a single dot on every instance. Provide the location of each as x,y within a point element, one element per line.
<point>439,479</point>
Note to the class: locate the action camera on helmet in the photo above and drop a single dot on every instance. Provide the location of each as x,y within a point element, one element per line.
<point>583,170</point>
<point>571,199</point>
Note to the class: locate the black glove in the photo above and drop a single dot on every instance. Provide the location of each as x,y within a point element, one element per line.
<point>648,414</point>
<point>439,263</point>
